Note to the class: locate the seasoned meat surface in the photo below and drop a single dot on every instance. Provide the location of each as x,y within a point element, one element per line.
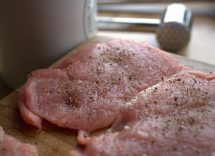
<point>9,146</point>
<point>87,90</point>
<point>175,117</point>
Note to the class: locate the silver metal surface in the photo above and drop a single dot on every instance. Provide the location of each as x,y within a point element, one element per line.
<point>205,8</point>
<point>125,23</point>
<point>173,33</point>
<point>173,28</point>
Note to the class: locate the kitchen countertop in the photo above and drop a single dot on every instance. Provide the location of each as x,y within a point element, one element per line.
<point>200,48</point>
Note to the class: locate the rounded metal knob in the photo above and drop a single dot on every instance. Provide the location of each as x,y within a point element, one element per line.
<point>174,30</point>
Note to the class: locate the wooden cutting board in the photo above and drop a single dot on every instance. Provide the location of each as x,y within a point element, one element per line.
<point>54,141</point>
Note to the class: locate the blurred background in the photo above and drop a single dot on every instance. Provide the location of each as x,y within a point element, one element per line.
<point>201,46</point>
<point>202,42</point>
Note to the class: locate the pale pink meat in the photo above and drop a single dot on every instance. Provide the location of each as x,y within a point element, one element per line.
<point>87,90</point>
<point>9,146</point>
<point>175,117</point>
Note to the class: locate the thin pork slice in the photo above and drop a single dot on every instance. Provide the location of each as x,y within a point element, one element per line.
<point>175,117</point>
<point>9,146</point>
<point>87,90</point>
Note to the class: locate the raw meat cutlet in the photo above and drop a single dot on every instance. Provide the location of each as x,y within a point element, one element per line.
<point>175,117</point>
<point>9,146</point>
<point>87,90</point>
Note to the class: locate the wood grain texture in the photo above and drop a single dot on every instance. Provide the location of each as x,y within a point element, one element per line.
<point>54,141</point>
